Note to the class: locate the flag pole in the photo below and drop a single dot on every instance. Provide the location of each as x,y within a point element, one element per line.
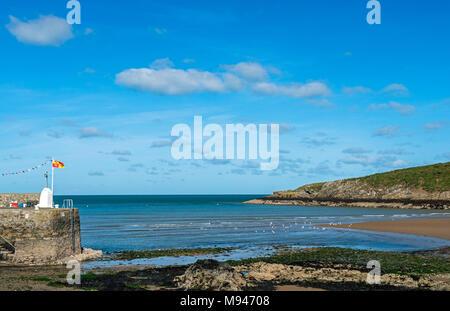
<point>53,173</point>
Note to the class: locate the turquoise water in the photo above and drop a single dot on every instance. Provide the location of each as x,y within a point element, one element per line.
<point>112,223</point>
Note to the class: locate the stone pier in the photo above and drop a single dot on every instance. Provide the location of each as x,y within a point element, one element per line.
<point>40,236</point>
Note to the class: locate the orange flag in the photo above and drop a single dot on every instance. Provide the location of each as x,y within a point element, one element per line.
<point>58,164</point>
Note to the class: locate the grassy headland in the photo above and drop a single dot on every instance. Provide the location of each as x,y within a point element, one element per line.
<point>415,187</point>
<point>431,178</point>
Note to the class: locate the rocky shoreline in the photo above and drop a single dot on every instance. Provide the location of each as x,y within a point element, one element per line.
<point>306,269</point>
<point>341,202</point>
<point>87,254</point>
<point>212,275</point>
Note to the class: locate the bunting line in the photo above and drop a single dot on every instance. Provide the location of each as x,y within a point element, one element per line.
<point>27,170</point>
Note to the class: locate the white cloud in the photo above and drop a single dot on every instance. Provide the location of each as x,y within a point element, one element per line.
<point>321,169</point>
<point>249,71</point>
<point>161,143</point>
<point>400,163</point>
<point>403,109</point>
<point>400,108</point>
<point>88,132</point>
<point>162,78</point>
<point>397,151</point>
<point>46,30</point>
<point>286,128</point>
<point>311,89</point>
<point>355,150</point>
<point>55,134</point>
<point>170,81</point>
<point>396,88</point>
<point>360,160</point>
<point>386,131</point>
<point>436,125</point>
<point>273,70</point>
<point>318,142</point>
<point>162,63</point>
<point>88,31</point>
<point>378,106</point>
<point>160,31</point>
<point>375,161</point>
<point>121,152</point>
<point>356,89</point>
<point>232,82</point>
<point>89,70</point>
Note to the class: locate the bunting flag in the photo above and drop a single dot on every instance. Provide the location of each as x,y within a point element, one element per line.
<point>58,164</point>
<point>27,170</point>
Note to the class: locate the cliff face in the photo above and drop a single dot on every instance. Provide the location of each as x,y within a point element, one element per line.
<point>417,187</point>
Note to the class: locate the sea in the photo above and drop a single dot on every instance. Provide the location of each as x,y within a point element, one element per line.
<point>148,222</point>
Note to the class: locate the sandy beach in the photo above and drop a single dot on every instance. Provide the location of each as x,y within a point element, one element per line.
<point>437,228</point>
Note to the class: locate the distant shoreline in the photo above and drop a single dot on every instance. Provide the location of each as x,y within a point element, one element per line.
<point>436,228</point>
<point>356,202</point>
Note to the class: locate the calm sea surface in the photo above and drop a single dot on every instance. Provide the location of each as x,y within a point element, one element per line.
<point>128,222</point>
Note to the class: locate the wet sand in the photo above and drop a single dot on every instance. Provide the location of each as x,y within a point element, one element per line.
<point>437,228</point>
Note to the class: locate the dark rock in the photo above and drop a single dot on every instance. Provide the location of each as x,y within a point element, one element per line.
<point>211,275</point>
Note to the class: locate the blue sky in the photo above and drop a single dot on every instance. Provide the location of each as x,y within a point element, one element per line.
<point>351,98</point>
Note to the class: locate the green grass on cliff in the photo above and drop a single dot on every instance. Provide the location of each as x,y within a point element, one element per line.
<point>432,178</point>
<point>316,187</point>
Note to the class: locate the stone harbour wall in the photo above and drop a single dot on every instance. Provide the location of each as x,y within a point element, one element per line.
<point>41,236</point>
<point>6,198</point>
